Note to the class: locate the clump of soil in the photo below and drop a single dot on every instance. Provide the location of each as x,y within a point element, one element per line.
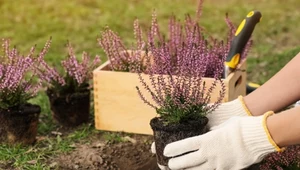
<point>133,154</point>
<point>70,110</point>
<point>165,134</point>
<point>18,125</point>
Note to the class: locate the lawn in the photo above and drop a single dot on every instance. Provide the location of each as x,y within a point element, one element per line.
<point>31,22</point>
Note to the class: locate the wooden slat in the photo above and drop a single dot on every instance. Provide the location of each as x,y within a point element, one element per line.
<point>118,106</point>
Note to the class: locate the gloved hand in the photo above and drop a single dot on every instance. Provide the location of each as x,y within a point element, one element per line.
<point>222,113</point>
<point>235,144</point>
<point>227,110</point>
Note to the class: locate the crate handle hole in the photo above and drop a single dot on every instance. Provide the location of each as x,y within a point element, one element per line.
<point>238,81</point>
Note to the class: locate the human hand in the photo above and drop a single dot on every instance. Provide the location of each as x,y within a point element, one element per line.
<point>227,110</point>
<point>235,144</point>
<point>222,113</point>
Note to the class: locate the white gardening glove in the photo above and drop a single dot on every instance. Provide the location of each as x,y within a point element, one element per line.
<point>227,110</point>
<point>222,113</point>
<point>235,144</point>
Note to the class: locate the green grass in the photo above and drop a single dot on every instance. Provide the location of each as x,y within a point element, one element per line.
<point>32,22</point>
<point>36,156</point>
<point>113,137</point>
<point>262,69</point>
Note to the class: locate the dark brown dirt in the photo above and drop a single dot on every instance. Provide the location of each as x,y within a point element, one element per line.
<point>133,154</point>
<point>70,110</point>
<point>19,124</point>
<point>165,134</point>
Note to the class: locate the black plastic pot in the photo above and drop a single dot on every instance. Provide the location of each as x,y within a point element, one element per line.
<point>18,125</point>
<point>165,134</point>
<point>70,110</point>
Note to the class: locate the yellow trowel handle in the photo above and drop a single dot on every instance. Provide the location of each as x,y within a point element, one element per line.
<point>241,37</point>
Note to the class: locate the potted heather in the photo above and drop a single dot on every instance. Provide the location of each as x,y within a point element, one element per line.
<point>20,79</point>
<point>173,81</point>
<point>181,103</point>
<point>120,58</point>
<point>70,97</point>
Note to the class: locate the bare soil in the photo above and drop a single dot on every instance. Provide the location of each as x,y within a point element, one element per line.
<point>97,154</point>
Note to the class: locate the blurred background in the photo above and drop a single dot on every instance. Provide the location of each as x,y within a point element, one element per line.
<point>32,22</point>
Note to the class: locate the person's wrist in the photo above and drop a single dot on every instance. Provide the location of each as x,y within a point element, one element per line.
<point>272,124</point>
<point>271,140</point>
<point>278,126</point>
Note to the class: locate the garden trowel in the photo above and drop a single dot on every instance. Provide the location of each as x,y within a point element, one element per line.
<point>240,39</point>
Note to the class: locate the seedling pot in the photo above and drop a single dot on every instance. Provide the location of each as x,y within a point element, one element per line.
<point>70,110</point>
<point>165,134</point>
<point>18,125</point>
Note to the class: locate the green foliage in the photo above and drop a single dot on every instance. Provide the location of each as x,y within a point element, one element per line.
<point>10,99</point>
<point>76,74</point>
<point>113,137</point>
<point>71,86</point>
<point>82,133</point>
<point>173,114</point>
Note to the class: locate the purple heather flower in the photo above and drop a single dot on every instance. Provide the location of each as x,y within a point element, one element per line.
<point>180,61</point>
<point>21,76</point>
<point>175,64</point>
<point>290,157</point>
<point>120,58</point>
<point>79,71</point>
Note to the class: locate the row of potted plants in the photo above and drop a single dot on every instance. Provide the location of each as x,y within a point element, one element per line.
<point>22,76</point>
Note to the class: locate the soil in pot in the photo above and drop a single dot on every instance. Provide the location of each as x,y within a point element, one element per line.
<point>253,167</point>
<point>165,134</point>
<point>19,124</point>
<point>71,109</point>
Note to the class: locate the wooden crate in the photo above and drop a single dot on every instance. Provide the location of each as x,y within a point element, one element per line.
<point>118,106</point>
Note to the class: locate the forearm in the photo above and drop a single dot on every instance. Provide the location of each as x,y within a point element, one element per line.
<point>284,127</point>
<point>277,93</point>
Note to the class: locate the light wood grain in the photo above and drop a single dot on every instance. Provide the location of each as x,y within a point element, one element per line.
<point>118,106</point>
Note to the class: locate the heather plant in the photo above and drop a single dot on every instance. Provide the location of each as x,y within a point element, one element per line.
<point>175,64</point>
<point>132,59</point>
<point>283,160</point>
<point>21,77</point>
<point>70,99</point>
<point>76,74</point>
<point>177,69</point>
<point>121,58</point>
